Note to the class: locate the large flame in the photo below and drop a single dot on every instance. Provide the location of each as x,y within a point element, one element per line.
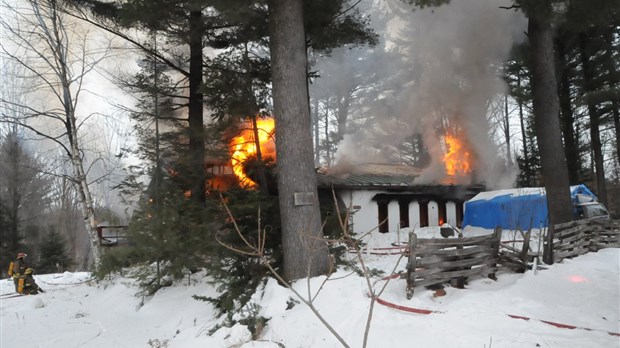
<point>243,147</point>
<point>457,159</point>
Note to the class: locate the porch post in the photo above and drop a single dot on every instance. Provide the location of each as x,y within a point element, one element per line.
<point>393,216</point>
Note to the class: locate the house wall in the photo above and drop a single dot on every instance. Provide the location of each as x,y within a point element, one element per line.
<point>365,211</point>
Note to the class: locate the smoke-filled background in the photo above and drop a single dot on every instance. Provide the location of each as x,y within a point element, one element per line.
<point>435,72</point>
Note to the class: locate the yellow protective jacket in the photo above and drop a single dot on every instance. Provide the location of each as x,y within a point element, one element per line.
<point>18,268</point>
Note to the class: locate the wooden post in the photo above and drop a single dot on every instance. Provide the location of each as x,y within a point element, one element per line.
<point>526,248</point>
<point>460,281</point>
<point>411,264</point>
<point>497,236</point>
<point>548,246</point>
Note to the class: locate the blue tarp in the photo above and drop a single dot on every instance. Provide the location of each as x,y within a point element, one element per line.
<point>523,208</point>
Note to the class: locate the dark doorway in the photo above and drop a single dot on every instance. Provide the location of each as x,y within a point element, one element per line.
<point>423,213</point>
<point>441,207</point>
<point>403,207</point>
<point>384,225</point>
<point>459,214</point>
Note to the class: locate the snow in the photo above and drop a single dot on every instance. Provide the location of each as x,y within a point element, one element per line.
<point>78,312</point>
<point>524,191</point>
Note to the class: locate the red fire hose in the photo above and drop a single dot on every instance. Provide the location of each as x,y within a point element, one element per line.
<point>429,311</point>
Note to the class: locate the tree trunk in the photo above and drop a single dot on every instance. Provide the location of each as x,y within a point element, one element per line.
<point>595,135</point>
<point>507,132</point>
<point>546,111</point>
<point>81,181</point>
<point>566,115</point>
<point>616,113</point>
<point>197,175</point>
<point>342,113</point>
<point>315,129</point>
<point>75,153</point>
<point>260,165</point>
<point>612,71</point>
<point>526,157</point>
<point>305,252</point>
<point>328,152</point>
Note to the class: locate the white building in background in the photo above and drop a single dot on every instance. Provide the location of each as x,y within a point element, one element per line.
<point>386,198</point>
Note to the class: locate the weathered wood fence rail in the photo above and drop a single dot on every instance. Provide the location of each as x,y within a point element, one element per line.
<point>516,255</point>
<point>579,237</point>
<point>434,261</point>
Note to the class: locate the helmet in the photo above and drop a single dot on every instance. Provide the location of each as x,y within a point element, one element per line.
<point>28,271</point>
<point>21,255</point>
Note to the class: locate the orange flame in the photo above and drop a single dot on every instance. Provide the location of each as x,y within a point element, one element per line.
<point>243,147</point>
<point>457,159</point>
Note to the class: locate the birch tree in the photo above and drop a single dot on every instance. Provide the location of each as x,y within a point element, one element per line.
<point>56,55</point>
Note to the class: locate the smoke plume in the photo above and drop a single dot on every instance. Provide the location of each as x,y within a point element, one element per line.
<point>452,58</point>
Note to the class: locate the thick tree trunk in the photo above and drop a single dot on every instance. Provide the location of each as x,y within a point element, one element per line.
<point>197,175</point>
<point>595,135</point>
<point>566,115</point>
<point>305,252</point>
<point>546,111</point>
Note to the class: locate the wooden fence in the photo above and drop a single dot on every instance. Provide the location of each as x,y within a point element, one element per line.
<point>515,258</point>
<point>579,237</point>
<point>434,261</point>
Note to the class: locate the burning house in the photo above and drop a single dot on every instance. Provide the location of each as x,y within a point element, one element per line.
<point>252,147</point>
<point>388,198</point>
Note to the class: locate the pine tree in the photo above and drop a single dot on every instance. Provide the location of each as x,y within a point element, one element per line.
<point>53,257</point>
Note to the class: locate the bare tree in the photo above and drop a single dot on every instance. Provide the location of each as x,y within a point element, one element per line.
<point>56,55</point>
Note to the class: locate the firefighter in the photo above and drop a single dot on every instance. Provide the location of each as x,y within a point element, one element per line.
<point>18,269</point>
<point>30,286</point>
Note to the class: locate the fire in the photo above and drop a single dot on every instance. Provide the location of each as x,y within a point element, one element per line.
<point>243,147</point>
<point>457,159</point>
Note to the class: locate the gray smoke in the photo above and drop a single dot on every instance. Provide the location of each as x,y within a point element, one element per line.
<point>452,58</point>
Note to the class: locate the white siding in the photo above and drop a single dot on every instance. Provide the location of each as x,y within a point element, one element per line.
<point>433,213</point>
<point>366,217</point>
<point>451,213</point>
<point>393,216</point>
<point>414,214</point>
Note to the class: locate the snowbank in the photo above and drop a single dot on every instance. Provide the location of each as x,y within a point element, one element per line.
<point>582,292</point>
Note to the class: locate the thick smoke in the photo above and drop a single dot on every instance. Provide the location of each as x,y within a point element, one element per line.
<point>453,55</point>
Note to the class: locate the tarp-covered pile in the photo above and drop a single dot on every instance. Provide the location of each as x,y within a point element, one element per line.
<point>521,208</point>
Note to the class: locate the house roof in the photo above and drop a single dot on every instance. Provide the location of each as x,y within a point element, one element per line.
<point>368,175</point>
<point>397,180</point>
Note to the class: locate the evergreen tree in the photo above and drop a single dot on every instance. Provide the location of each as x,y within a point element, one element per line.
<point>53,257</point>
<point>24,197</point>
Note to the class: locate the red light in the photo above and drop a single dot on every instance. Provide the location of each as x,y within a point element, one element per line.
<point>577,279</point>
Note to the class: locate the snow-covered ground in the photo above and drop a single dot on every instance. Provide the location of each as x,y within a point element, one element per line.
<point>582,292</point>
